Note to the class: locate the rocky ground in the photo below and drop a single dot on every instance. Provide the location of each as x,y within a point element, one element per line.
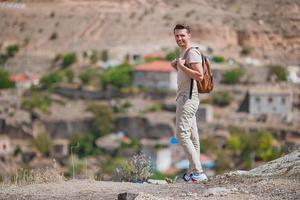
<point>278,179</point>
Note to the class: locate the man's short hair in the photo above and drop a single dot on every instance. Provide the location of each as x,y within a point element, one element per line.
<point>182,26</point>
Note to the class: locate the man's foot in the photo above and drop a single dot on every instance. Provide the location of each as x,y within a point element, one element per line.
<point>187,177</point>
<point>198,177</point>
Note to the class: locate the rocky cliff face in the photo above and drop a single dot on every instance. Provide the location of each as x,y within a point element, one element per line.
<point>269,28</point>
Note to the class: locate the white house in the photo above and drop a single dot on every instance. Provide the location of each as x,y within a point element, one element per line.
<point>294,74</point>
<point>271,101</point>
<point>25,81</point>
<point>158,75</point>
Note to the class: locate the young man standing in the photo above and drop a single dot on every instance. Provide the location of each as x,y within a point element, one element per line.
<point>189,67</point>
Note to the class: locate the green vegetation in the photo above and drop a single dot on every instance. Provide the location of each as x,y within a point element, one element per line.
<point>172,55</point>
<point>218,59</point>
<point>155,107</point>
<point>279,72</point>
<point>133,144</point>
<point>11,51</point>
<point>103,118</point>
<point>69,59</point>
<point>50,81</point>
<point>69,74</point>
<point>221,98</point>
<point>84,145</point>
<point>246,51</point>
<point>43,143</point>
<point>5,81</point>
<point>118,77</point>
<point>233,76</point>
<point>122,107</point>
<point>104,56</point>
<point>37,100</point>
<point>87,76</point>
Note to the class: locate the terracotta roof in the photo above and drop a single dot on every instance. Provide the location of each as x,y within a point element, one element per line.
<point>160,54</point>
<point>157,66</point>
<point>23,77</point>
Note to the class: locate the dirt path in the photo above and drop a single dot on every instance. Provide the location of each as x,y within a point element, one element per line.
<point>222,187</point>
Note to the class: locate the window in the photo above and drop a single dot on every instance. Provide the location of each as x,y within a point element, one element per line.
<point>257,99</point>
<point>283,100</point>
<point>270,99</point>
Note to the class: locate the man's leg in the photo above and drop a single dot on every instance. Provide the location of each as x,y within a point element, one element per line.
<point>185,119</point>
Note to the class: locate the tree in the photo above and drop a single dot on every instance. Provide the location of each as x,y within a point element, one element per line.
<point>83,144</point>
<point>221,98</point>
<point>279,72</point>
<point>233,76</point>
<point>69,59</point>
<point>103,118</point>
<point>69,75</point>
<point>5,81</point>
<point>118,77</point>
<point>49,81</point>
<point>172,55</point>
<point>43,143</point>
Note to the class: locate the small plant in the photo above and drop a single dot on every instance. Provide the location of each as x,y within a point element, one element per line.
<point>69,59</point>
<point>5,81</point>
<point>50,81</point>
<point>69,74</point>
<point>136,169</point>
<point>233,76</point>
<point>221,98</point>
<point>156,107</point>
<point>172,55</point>
<point>218,59</point>
<point>43,143</point>
<point>279,72</point>
<point>246,51</point>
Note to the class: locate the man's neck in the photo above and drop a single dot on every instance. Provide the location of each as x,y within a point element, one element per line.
<point>183,49</point>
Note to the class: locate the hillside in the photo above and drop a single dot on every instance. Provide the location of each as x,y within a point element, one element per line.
<point>278,179</point>
<point>270,28</point>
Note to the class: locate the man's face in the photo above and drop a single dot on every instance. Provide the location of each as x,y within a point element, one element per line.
<point>182,37</point>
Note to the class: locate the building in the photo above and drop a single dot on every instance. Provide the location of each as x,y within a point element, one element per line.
<point>5,145</point>
<point>205,113</point>
<point>269,101</point>
<point>25,81</point>
<point>157,75</point>
<point>294,74</point>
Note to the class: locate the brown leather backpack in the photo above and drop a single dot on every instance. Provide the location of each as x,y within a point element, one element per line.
<point>207,84</point>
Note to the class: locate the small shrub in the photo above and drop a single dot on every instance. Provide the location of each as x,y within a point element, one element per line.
<point>84,145</point>
<point>103,118</point>
<point>218,59</point>
<point>279,72</point>
<point>104,56</point>
<point>233,76</point>
<point>245,51</point>
<point>221,98</point>
<point>50,81</point>
<point>5,81</point>
<point>156,107</point>
<point>37,100</point>
<point>172,55</point>
<point>86,77</point>
<point>12,50</point>
<point>43,143</point>
<point>69,74</point>
<point>69,59</point>
<point>137,169</point>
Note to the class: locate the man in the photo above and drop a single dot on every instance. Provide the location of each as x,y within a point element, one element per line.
<point>189,67</point>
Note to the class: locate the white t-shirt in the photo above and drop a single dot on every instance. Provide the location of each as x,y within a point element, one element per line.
<point>183,80</point>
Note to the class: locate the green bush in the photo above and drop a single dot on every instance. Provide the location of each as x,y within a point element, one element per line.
<point>37,100</point>
<point>5,81</point>
<point>12,50</point>
<point>218,59</point>
<point>103,118</point>
<point>233,76</point>
<point>69,74</point>
<point>104,56</point>
<point>86,76</point>
<point>280,72</point>
<point>50,81</point>
<point>69,59</point>
<point>156,107</point>
<point>118,77</point>
<point>172,55</point>
<point>43,143</point>
<point>84,145</point>
<point>221,98</point>
<point>245,51</point>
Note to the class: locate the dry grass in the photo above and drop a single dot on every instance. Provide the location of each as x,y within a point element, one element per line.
<point>35,176</point>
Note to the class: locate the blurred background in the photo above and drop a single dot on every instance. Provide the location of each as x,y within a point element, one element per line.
<point>86,84</point>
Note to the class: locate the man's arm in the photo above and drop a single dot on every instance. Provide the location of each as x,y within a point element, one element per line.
<point>195,71</point>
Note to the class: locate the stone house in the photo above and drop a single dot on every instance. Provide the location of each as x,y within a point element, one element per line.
<point>157,75</point>
<point>269,101</point>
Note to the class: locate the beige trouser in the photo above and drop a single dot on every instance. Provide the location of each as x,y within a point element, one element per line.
<point>187,131</point>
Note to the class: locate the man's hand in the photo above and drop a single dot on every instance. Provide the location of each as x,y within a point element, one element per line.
<point>181,62</point>
<point>174,64</point>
